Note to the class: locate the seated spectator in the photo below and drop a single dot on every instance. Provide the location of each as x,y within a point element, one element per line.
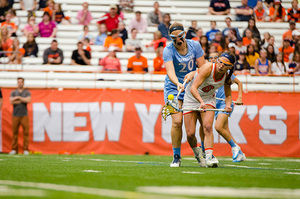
<point>155,17</point>
<point>164,26</point>
<point>248,37</point>
<point>31,27</point>
<point>244,12</point>
<point>14,19</point>
<point>253,28</point>
<point>212,49</point>
<point>277,12</point>
<point>287,50</point>
<point>296,38</point>
<point>80,56</point>
<point>192,31</point>
<point>199,33</point>
<point>231,48</point>
<point>256,44</point>
<point>259,12</point>
<point>251,55</point>
<point>294,12</point>
<point>12,28</point>
<point>133,42</point>
<point>50,8</point>
<point>265,40</point>
<point>114,40</point>
<point>158,40</point>
<point>123,32</point>
<point>111,19</point>
<point>100,38</point>
<point>271,53</point>
<point>28,5</point>
<point>241,66</point>
<point>294,66</point>
<point>42,4</point>
<point>127,5</point>
<point>158,61</point>
<point>232,35</point>
<point>225,32</point>
<point>59,15</point>
<point>53,55</point>
<point>30,46</point>
<point>137,63</point>
<point>219,7</point>
<point>6,42</point>
<point>288,34</point>
<point>239,46</point>
<point>85,34</point>
<point>279,67</point>
<point>47,28</point>
<point>262,64</point>
<point>217,41</point>
<point>139,23</point>
<point>4,7</point>
<point>86,45</point>
<point>213,57</point>
<point>205,46</point>
<point>111,62</point>
<point>272,41</point>
<point>211,34</point>
<point>17,53</point>
<point>84,16</point>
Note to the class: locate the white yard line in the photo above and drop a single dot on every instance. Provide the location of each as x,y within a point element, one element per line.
<point>8,191</point>
<point>264,163</point>
<point>192,172</point>
<point>292,173</point>
<point>91,171</point>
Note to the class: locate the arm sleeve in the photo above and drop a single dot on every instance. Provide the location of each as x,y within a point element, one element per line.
<point>199,52</point>
<point>167,55</point>
<point>36,50</point>
<point>28,93</point>
<point>73,55</point>
<point>0,93</point>
<point>227,5</point>
<point>45,56</point>
<point>87,54</point>
<point>129,65</point>
<point>211,4</point>
<point>12,94</point>
<point>61,54</point>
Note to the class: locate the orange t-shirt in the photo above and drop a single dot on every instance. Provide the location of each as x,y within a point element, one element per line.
<point>272,11</point>
<point>109,41</point>
<point>7,44</point>
<point>21,50</point>
<point>47,9</point>
<point>246,41</point>
<point>286,53</point>
<point>158,64</point>
<point>137,64</point>
<point>259,14</point>
<point>10,26</point>
<point>287,35</point>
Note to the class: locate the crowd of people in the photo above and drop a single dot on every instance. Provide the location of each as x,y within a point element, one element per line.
<point>256,52</point>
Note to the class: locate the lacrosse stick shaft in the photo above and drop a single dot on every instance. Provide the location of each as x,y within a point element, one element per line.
<point>184,83</point>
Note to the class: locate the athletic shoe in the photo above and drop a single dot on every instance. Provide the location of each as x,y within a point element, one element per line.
<point>199,157</point>
<point>241,157</point>
<point>203,153</point>
<point>212,162</point>
<point>176,161</point>
<point>13,152</point>
<point>26,152</point>
<point>235,151</point>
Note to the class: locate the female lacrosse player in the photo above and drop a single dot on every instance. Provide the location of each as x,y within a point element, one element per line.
<point>200,93</point>
<point>181,58</point>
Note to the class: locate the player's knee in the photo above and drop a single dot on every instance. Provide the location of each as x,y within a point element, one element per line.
<point>190,134</point>
<point>177,123</point>
<point>207,128</point>
<point>218,127</point>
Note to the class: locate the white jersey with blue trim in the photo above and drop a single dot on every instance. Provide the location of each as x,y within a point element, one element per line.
<point>183,64</point>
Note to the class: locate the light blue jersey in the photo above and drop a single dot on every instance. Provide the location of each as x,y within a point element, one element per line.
<point>183,64</point>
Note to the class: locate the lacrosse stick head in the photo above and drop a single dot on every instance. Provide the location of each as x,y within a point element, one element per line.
<point>167,110</point>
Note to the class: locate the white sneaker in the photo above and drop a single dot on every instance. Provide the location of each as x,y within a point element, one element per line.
<point>26,152</point>
<point>212,162</point>
<point>241,157</point>
<point>235,151</point>
<point>199,157</point>
<point>176,161</point>
<point>13,152</point>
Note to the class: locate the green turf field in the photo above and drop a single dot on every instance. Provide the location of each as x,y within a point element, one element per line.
<point>114,176</point>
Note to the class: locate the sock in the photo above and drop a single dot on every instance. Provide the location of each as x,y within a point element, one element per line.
<point>232,144</point>
<point>195,150</point>
<point>176,151</point>
<point>208,152</point>
<point>202,146</point>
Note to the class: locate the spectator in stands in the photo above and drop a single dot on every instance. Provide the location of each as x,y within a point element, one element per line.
<point>288,34</point>
<point>127,5</point>
<point>262,64</point>
<point>248,37</point>
<point>14,19</point>
<point>212,49</point>
<point>199,33</point>
<point>272,41</point>
<point>12,28</point>
<point>251,55</point>
<point>271,53</point>
<point>4,7</point>
<point>277,12</point>
<point>268,3</point>
<point>211,34</point>
<point>244,12</point>
<point>155,17</point>
<point>256,44</point>
<point>231,48</point>
<point>84,16</point>
<point>205,46</point>
<point>47,28</point>
<point>294,12</point>
<point>191,33</point>
<point>287,50</point>
<point>111,19</point>
<point>53,55</point>
<point>229,27</point>
<point>259,12</point>
<point>137,63</point>
<point>265,40</point>
<point>139,23</point>
<point>239,46</point>
<point>296,38</point>
<point>100,38</point>
<point>80,56</point>
<point>133,42</point>
<point>232,35</point>
<point>111,62</point>
<point>253,28</point>
<point>6,41</point>
<point>50,8</point>
<point>31,27</point>
<point>294,66</point>
<point>31,47</point>
<point>158,61</point>
<point>123,31</point>
<point>219,7</point>
<point>114,40</point>
<point>59,15</point>
<point>85,34</point>
<point>28,5</point>
<point>17,53</point>
<point>279,67</point>
<point>42,4</point>
<point>217,40</point>
<point>158,40</point>
<point>164,26</point>
<point>241,65</point>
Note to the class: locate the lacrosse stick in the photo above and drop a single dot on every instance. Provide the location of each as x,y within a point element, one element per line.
<point>232,101</point>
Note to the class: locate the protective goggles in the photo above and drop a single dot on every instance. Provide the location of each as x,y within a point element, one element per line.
<point>222,61</point>
<point>181,36</point>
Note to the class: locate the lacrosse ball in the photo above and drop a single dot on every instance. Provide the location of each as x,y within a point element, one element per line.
<point>170,97</point>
